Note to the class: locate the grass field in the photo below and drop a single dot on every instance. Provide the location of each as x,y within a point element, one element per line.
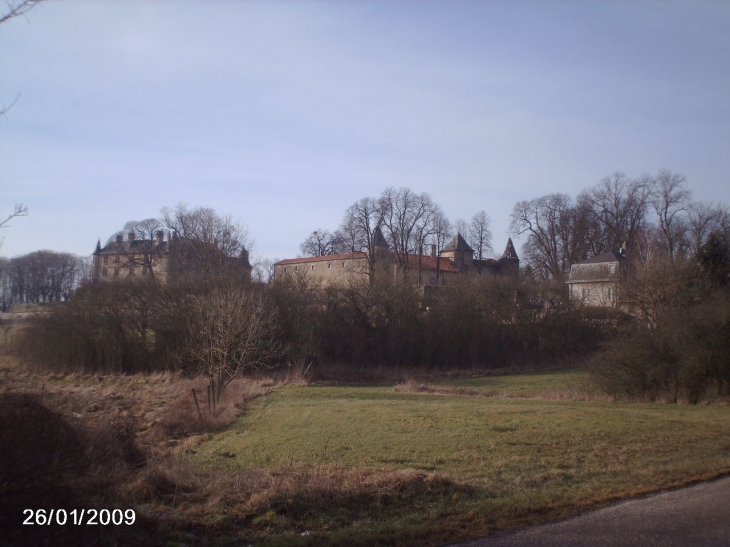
<point>508,461</point>
<point>287,465</point>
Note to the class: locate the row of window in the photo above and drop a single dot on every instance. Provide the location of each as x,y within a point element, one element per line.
<point>105,259</point>
<point>312,267</point>
<point>130,272</point>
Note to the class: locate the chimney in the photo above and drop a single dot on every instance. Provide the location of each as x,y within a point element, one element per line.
<point>433,251</point>
<point>120,238</point>
<point>160,237</point>
<point>130,236</point>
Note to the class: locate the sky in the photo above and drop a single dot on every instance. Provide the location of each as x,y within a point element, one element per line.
<point>282,114</point>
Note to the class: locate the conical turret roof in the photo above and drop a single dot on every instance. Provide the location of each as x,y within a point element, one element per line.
<point>379,238</point>
<point>509,250</point>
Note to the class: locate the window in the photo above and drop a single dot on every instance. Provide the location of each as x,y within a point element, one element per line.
<point>343,264</point>
<point>131,271</point>
<point>329,266</point>
<point>116,258</point>
<point>105,259</point>
<point>296,268</point>
<point>443,281</point>
<point>104,272</point>
<point>116,272</point>
<point>612,269</point>
<point>312,267</point>
<point>433,281</point>
<point>284,268</point>
<point>144,271</point>
<point>610,294</point>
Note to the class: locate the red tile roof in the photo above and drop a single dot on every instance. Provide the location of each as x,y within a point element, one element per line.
<point>324,258</point>
<point>429,263</point>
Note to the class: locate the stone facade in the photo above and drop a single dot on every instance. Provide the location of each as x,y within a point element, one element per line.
<point>145,258</point>
<point>595,282</point>
<point>131,258</point>
<point>455,260</point>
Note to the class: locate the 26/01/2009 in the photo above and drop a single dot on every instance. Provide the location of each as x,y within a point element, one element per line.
<point>78,517</point>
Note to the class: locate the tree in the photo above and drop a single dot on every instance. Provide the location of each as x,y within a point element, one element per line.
<point>227,331</point>
<point>16,8</point>
<point>616,209</point>
<point>145,245</point>
<point>479,234</point>
<point>548,222</point>
<point>670,200</point>
<point>44,276</point>
<point>406,216</point>
<point>19,211</point>
<point>714,259</point>
<point>362,219</point>
<point>440,234</point>
<point>205,243</point>
<point>320,243</point>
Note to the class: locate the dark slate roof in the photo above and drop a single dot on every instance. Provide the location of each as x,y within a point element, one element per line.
<point>608,256</point>
<point>138,246</point>
<point>509,250</point>
<point>379,238</point>
<point>458,244</point>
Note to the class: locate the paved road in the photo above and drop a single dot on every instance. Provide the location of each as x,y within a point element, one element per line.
<point>695,516</point>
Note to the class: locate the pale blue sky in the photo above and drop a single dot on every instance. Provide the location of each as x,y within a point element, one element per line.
<point>282,114</point>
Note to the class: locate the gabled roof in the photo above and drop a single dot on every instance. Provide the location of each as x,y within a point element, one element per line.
<point>608,256</point>
<point>509,250</point>
<point>323,258</point>
<point>458,244</point>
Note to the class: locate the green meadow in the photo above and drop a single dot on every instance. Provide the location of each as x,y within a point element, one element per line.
<point>524,456</point>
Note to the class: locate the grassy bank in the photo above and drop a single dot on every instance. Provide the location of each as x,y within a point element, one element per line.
<point>515,460</point>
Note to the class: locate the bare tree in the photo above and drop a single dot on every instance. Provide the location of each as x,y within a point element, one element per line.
<point>547,222</point>
<point>670,201</point>
<point>406,216</point>
<point>479,234</point>
<point>617,208</point>
<point>19,211</point>
<point>320,243</point>
<point>16,8</point>
<point>350,237</point>
<point>441,233</point>
<point>362,220</point>
<point>230,330</point>
<point>205,243</point>
<point>144,248</point>
<point>44,276</point>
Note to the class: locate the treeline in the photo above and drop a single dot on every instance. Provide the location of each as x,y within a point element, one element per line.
<point>410,221</point>
<point>226,326</point>
<point>675,346</point>
<point>654,215</point>
<point>42,276</point>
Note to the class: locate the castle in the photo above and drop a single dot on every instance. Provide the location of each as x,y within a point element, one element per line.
<point>456,259</point>
<point>135,258</point>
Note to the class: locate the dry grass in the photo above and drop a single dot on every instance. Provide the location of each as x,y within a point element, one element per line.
<point>576,389</point>
<point>101,441</point>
